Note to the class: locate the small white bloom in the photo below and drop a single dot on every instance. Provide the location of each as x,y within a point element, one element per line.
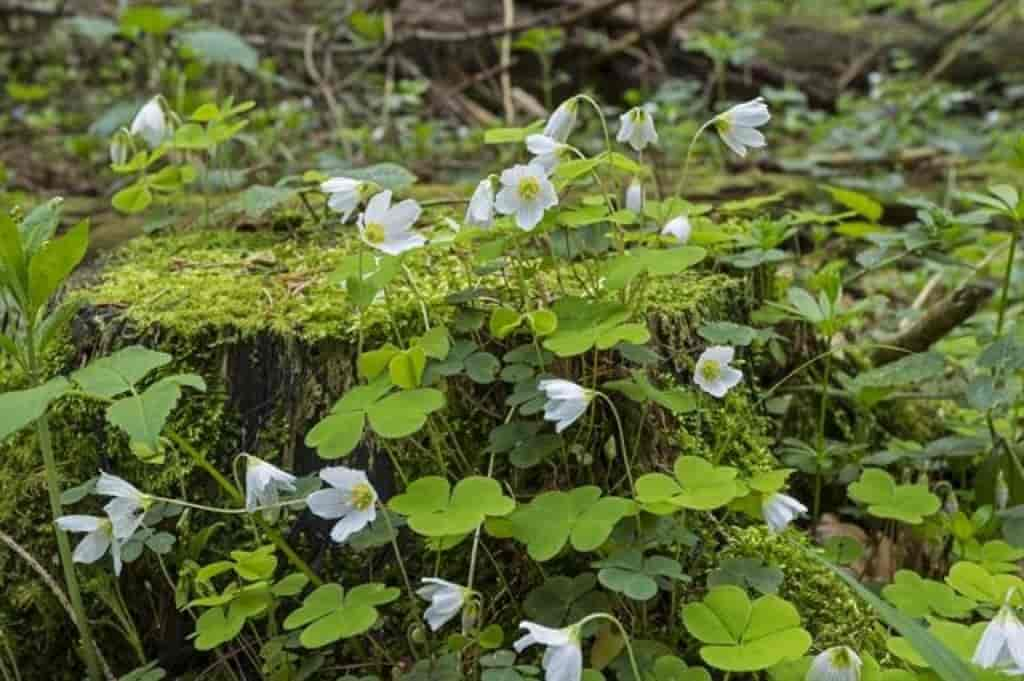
<point>713,373</point>
<point>119,147</point>
<point>1002,491</point>
<point>779,510</point>
<point>526,192</point>
<point>352,499</point>
<point>547,151</point>
<point>738,126</point>
<point>835,664</point>
<point>446,600</point>
<point>344,195</point>
<point>566,401</point>
<point>562,121</point>
<point>635,197</point>
<point>563,659</point>
<point>678,227</point>
<point>389,228</point>
<point>636,128</point>
<point>264,482</point>
<point>99,537</point>
<point>1002,644</point>
<point>128,506</point>
<point>480,212</point>
<point>150,123</point>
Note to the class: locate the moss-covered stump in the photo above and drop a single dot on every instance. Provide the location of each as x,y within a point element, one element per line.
<point>259,316</point>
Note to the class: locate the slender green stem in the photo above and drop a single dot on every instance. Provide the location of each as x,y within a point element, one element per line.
<point>604,123</point>
<point>689,155</point>
<point>419,296</point>
<point>236,495</point>
<point>1004,298</point>
<point>625,637</point>
<point>622,438</point>
<point>822,412</point>
<point>398,556</point>
<point>53,487</point>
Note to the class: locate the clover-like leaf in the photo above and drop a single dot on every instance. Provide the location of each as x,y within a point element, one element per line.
<point>580,516</point>
<point>583,325</point>
<point>655,263</point>
<point>698,485</point>
<point>741,636</point>
<point>143,416</point>
<point>328,614</point>
<point>885,499</point>
<point>561,600</point>
<point>628,572</point>
<point>747,572</point>
<point>436,510</point>
<point>918,597</point>
<point>977,583</point>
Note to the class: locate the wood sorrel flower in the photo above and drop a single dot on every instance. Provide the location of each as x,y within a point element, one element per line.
<point>352,499</point>
<point>99,536</point>
<point>635,196</point>
<point>738,126</point>
<point>128,506</point>
<point>562,121</point>
<point>563,659</point>
<point>636,128</point>
<point>779,510</point>
<point>566,401</point>
<point>713,373</point>
<point>526,192</point>
<point>446,600</point>
<point>678,227</point>
<point>389,228</point>
<point>264,482</point>
<point>547,151</point>
<point>150,123</point>
<point>343,195</point>
<point>1002,644</point>
<point>480,212</point>
<point>835,664</point>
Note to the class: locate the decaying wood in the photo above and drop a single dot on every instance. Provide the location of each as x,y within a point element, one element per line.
<point>937,321</point>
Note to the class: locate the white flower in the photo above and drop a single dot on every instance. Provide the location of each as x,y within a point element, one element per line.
<point>480,212</point>
<point>263,483</point>
<point>127,507</point>
<point>1002,644</point>
<point>637,128</point>
<point>526,192</point>
<point>635,197</point>
<point>566,401</point>
<point>389,228</point>
<point>446,600</point>
<point>678,227</point>
<point>563,659</point>
<point>779,510</point>
<point>737,126</point>
<point>1002,491</point>
<point>98,538</point>
<point>344,195</point>
<point>352,499</point>
<point>562,121</point>
<point>713,373</point>
<point>547,151</point>
<point>150,123</point>
<point>119,147</point>
<point>835,664</point>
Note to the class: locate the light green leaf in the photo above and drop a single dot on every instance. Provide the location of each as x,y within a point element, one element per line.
<point>19,408</point>
<point>54,263</point>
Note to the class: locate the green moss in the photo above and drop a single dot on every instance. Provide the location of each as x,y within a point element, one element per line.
<point>731,431</point>
<point>832,613</point>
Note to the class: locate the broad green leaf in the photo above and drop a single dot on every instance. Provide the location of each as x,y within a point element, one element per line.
<point>143,416</point>
<point>406,368</point>
<point>857,202</point>
<point>133,199</point>
<point>698,485</point>
<point>220,46</point>
<point>978,584</point>
<point>918,597</point>
<point>580,516</point>
<point>54,263</point>
<point>885,499</point>
<point>654,262</point>
<point>402,414</point>
<point>118,373</point>
<point>20,408</point>
<point>433,513</point>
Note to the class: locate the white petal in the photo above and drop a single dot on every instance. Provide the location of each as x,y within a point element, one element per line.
<point>510,176</point>
<point>723,354</point>
<point>750,114</point>
<point>339,184</point>
<point>343,478</point>
<point>626,126</point>
<point>991,643</point>
<point>377,207</point>
<point>728,136</point>
<point>125,515</point>
<point>113,486</point>
<point>540,145</point>
<point>563,663</point>
<point>748,137</point>
<point>402,216</point>
<point>529,215</point>
<point>730,377</point>
<point>560,389</point>
<point>115,553</point>
<point>543,635</point>
<point>352,523</point>
<point>562,121</point>
<point>635,197</point>
<point>79,523</point>
<point>92,547</point>
<point>678,227</point>
<point>329,503</point>
<point>507,201</point>
<point>398,244</point>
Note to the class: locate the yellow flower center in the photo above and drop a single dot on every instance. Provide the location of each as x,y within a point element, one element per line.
<point>840,658</point>
<point>362,496</point>
<point>638,115</point>
<point>529,188</point>
<point>711,370</point>
<point>374,233</point>
<point>723,124</point>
